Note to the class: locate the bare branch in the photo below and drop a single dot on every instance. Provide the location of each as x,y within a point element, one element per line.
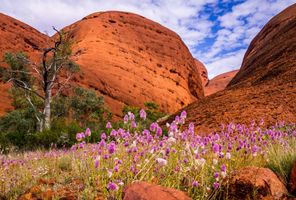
<point>19,71</point>
<point>46,69</point>
<point>62,85</point>
<point>24,86</point>
<point>39,73</point>
<point>34,108</point>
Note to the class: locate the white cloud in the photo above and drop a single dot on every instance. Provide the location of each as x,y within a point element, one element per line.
<point>177,15</point>
<point>238,28</point>
<point>225,63</point>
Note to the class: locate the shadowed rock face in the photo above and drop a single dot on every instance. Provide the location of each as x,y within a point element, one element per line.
<point>203,72</point>
<point>15,37</point>
<point>264,88</point>
<point>216,84</point>
<point>130,60</point>
<point>272,53</point>
<point>219,82</point>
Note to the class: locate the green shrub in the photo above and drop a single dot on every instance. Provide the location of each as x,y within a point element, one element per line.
<point>60,135</point>
<point>152,110</point>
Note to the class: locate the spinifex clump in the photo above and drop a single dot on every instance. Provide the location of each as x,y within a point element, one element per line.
<point>182,159</point>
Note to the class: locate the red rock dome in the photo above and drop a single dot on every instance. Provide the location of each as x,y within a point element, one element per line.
<point>219,82</point>
<point>131,60</point>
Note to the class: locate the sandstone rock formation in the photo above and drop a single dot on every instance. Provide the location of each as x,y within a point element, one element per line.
<point>255,183</point>
<point>15,37</point>
<point>219,82</point>
<point>271,55</point>
<point>203,72</point>
<point>264,88</point>
<point>130,60</point>
<point>147,191</point>
<point>125,57</point>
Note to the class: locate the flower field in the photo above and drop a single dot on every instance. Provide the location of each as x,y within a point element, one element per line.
<point>172,156</point>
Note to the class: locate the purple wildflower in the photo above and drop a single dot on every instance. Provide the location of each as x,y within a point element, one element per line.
<point>195,184</point>
<point>143,114</point>
<point>108,125</point>
<point>159,131</point>
<point>216,175</point>
<point>113,133</point>
<point>111,148</point>
<point>103,136</point>
<point>153,126</point>
<point>216,185</point>
<point>116,168</point>
<point>131,116</point>
<point>223,168</point>
<point>161,161</point>
<point>254,150</point>
<point>125,119</point>
<point>183,115</point>
<point>112,186</point>
<point>216,148</point>
<point>96,163</point>
<point>102,143</point>
<point>79,137</point>
<point>134,124</point>
<point>87,132</point>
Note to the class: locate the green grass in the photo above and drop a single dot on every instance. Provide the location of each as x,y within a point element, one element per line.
<point>21,171</point>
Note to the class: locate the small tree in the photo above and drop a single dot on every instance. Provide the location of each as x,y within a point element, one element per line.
<point>42,81</point>
<point>89,109</point>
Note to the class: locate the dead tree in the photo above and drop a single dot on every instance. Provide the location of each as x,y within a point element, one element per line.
<point>53,74</point>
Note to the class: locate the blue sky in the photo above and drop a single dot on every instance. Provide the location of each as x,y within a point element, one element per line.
<point>217,32</point>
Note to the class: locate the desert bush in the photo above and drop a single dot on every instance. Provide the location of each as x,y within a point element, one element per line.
<point>152,114</point>
<point>84,108</point>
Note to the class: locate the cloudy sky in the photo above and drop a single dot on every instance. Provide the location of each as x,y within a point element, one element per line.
<point>217,32</point>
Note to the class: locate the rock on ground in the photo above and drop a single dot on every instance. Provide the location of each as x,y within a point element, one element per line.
<point>292,183</point>
<point>147,191</point>
<point>255,183</point>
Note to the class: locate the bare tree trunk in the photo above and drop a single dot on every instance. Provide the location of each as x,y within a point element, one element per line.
<point>47,110</point>
<point>40,125</point>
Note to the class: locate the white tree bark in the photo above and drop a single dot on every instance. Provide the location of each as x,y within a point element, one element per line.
<point>47,111</point>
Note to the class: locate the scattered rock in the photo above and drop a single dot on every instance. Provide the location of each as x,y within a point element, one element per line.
<point>51,189</point>
<point>292,183</point>
<point>147,191</point>
<point>255,183</point>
